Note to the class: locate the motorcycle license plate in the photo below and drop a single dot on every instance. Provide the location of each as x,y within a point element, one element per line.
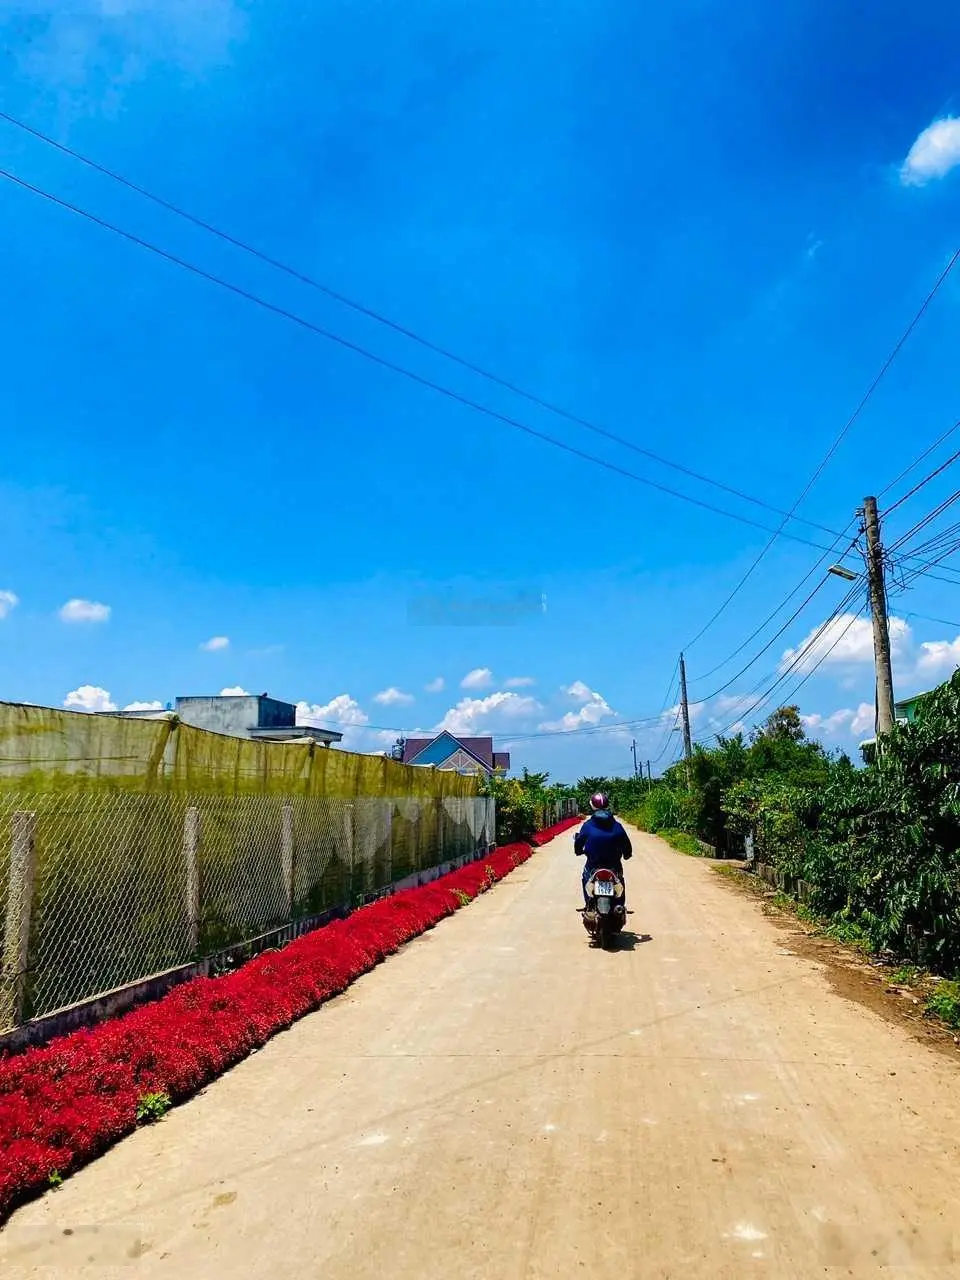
<point>604,889</point>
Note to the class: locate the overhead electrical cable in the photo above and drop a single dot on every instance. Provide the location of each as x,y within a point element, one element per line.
<point>404,330</point>
<point>838,440</point>
<point>385,363</point>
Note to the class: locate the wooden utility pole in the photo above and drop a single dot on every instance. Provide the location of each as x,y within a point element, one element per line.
<point>878,610</point>
<point>685,712</point>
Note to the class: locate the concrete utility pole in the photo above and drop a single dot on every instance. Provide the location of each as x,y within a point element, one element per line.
<point>878,609</point>
<point>634,748</point>
<point>649,774</point>
<point>685,711</point>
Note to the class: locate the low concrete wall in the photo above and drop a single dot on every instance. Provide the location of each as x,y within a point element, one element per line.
<point>801,889</point>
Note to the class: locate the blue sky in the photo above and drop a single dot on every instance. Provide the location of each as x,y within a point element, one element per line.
<point>695,227</point>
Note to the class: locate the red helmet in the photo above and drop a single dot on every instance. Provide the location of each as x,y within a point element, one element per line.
<point>599,800</point>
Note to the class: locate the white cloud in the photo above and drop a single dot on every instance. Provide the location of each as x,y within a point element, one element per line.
<point>435,686</point>
<point>519,682</point>
<point>478,678</point>
<point>474,715</point>
<point>215,644</point>
<point>828,726</point>
<point>346,715</point>
<point>234,691</point>
<point>393,698</point>
<point>593,709</point>
<point>579,691</point>
<point>935,152</point>
<point>731,704</point>
<point>864,720</point>
<point>85,611</point>
<point>845,723</point>
<point>845,641</point>
<point>89,697</point>
<point>695,710</point>
<point>938,659</point>
<point>341,710</point>
<point>8,602</point>
<point>144,706</point>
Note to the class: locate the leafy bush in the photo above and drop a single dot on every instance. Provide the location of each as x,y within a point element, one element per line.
<point>525,805</point>
<point>880,846</point>
<point>153,1106</point>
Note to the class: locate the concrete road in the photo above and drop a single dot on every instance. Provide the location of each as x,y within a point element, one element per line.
<point>502,1101</point>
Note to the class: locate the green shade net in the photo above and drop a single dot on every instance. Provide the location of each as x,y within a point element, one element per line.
<point>285,831</point>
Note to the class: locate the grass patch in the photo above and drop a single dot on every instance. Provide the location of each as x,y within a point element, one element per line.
<point>683,842</point>
<point>850,933</point>
<point>944,1003</point>
<point>908,975</point>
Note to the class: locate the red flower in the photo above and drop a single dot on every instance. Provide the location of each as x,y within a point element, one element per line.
<point>67,1101</point>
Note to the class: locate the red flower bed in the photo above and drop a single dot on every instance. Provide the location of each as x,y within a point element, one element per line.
<point>552,832</point>
<point>64,1103</point>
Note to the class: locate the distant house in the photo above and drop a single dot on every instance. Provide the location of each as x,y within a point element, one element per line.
<point>249,715</point>
<point>464,755</point>
<point>905,712</point>
<point>907,709</point>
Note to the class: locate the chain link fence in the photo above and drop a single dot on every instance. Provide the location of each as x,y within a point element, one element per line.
<point>100,889</point>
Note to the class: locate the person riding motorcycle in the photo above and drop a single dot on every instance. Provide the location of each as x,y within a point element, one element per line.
<point>602,841</point>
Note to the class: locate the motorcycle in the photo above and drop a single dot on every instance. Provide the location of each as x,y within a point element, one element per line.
<point>606,913</point>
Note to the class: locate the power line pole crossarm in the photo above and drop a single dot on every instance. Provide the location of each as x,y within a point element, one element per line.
<point>878,610</point>
<point>685,712</point>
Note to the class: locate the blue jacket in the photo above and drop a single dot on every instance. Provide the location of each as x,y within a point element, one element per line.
<point>604,842</point>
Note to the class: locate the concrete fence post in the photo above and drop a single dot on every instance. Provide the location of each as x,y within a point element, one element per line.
<point>191,850</point>
<point>286,856</point>
<point>16,931</point>
<point>348,831</point>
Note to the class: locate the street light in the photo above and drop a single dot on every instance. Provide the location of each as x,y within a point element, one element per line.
<point>841,571</point>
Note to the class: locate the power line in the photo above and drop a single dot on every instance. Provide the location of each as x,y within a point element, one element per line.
<point>766,696</point>
<point>943,622</point>
<point>892,484</point>
<point>918,573</point>
<point>382,361</point>
<point>770,617</point>
<point>920,458</point>
<point>823,657</point>
<point>773,639</point>
<point>609,727</point>
<point>925,481</point>
<point>667,739</point>
<point>926,520</point>
<point>674,684</point>
<point>836,443</point>
<point>800,654</point>
<point>372,314</point>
